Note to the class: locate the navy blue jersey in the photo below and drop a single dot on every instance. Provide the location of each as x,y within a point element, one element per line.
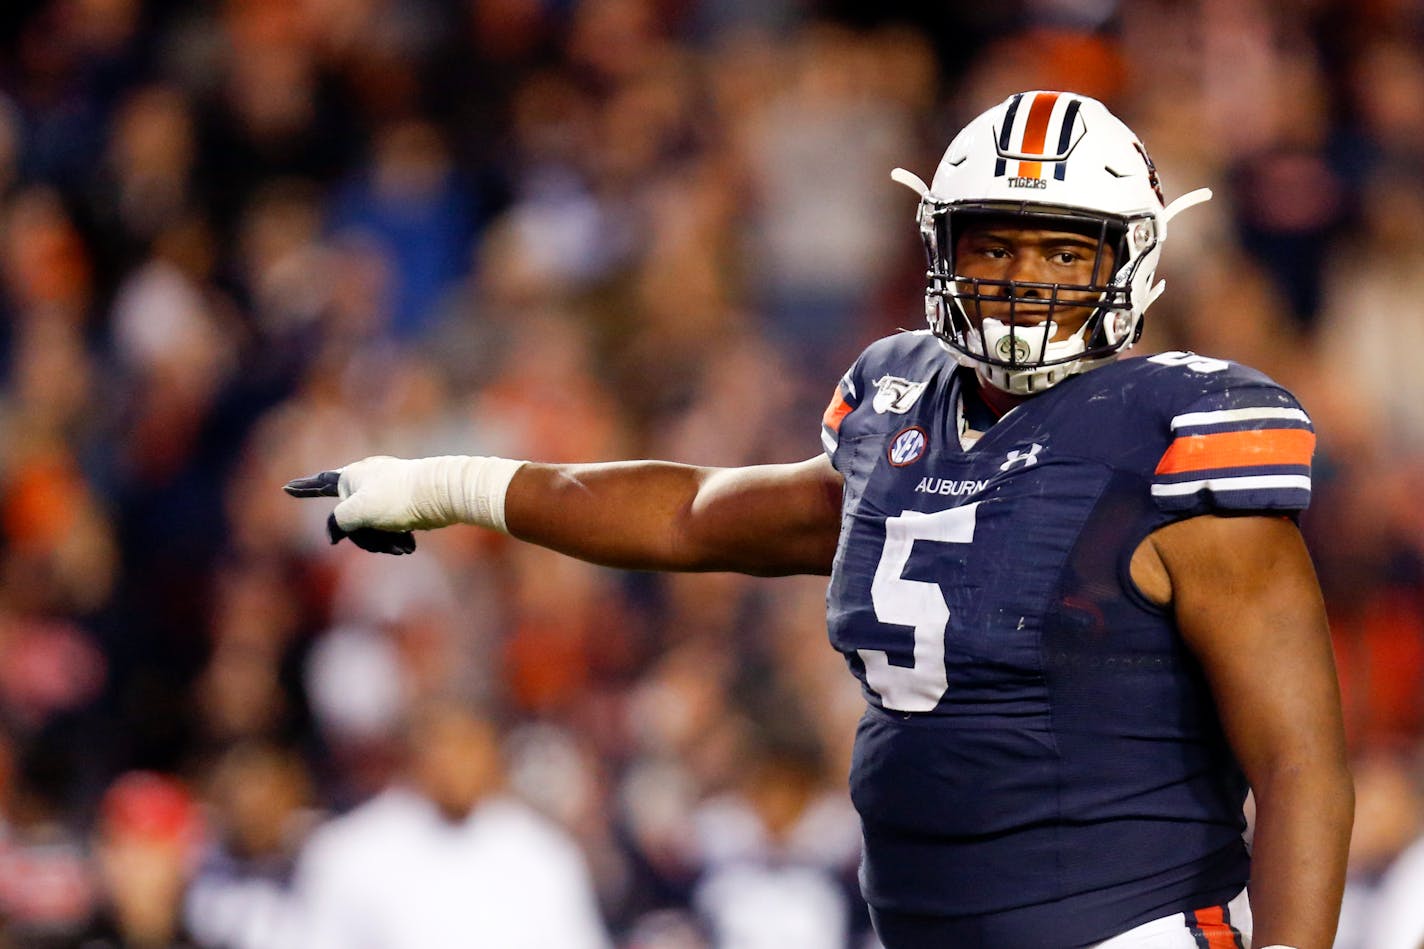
<point>1041,755</point>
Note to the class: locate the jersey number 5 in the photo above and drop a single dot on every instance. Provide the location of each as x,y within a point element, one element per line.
<point>915,603</point>
<point>1192,361</point>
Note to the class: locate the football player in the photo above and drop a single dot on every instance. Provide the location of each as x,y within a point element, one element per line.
<point>1071,585</point>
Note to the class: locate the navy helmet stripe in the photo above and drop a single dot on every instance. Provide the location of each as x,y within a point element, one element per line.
<point>1006,133</point>
<point>1070,118</point>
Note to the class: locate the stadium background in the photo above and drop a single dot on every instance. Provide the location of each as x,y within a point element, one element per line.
<point>242,240</point>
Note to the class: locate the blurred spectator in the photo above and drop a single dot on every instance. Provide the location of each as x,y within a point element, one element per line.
<point>832,129</point>
<point>48,892</point>
<point>1397,914</point>
<point>247,691</point>
<point>146,183</point>
<point>1370,318</point>
<point>412,203</point>
<point>10,142</point>
<point>443,856</point>
<point>1388,817</point>
<point>781,850</point>
<point>148,836</point>
<point>269,114</point>
<point>240,897</point>
<point>46,267</point>
<point>1290,197</point>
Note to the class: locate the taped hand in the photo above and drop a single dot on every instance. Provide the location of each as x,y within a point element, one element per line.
<point>327,484</point>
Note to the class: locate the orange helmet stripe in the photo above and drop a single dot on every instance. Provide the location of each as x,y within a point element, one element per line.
<point>1036,133</point>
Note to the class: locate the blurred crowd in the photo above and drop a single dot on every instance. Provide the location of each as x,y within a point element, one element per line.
<point>245,240</point>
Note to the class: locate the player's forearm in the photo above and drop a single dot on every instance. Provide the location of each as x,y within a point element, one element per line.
<point>653,515</point>
<point>620,514</point>
<point>1303,819</point>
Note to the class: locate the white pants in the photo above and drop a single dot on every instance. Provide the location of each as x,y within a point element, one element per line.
<point>1205,929</point>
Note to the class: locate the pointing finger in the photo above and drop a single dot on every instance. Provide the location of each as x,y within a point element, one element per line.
<point>323,485</point>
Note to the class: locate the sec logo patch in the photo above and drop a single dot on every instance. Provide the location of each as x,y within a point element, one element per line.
<point>908,446</point>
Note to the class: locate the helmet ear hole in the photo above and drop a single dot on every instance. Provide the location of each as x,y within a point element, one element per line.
<point>1115,328</point>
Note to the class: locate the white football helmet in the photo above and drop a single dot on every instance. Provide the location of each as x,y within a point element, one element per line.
<point>1059,161</point>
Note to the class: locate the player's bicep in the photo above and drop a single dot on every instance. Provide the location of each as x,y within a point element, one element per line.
<point>1248,604</point>
<point>770,519</point>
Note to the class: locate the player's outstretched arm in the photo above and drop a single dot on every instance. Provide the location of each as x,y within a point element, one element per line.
<point>1248,603</point>
<point>767,520</point>
<point>648,515</point>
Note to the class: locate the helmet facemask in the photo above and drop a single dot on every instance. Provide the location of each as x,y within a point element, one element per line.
<point>1006,328</point>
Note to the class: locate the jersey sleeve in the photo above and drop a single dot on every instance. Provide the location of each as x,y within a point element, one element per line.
<point>1239,449</point>
<point>843,401</point>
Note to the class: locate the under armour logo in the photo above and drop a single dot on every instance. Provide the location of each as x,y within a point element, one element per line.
<point>1025,458</point>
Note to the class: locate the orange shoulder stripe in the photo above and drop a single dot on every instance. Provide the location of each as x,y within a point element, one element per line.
<point>1267,446</point>
<point>836,411</point>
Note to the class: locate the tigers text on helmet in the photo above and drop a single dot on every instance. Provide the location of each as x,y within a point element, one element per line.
<point>1055,161</point>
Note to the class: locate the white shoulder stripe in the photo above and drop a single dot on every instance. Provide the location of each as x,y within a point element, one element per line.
<point>1191,419</point>
<point>828,441</point>
<point>1243,483</point>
